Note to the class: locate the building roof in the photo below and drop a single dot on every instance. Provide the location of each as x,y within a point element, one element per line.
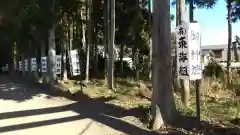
<point>206,48</point>
<point>223,46</point>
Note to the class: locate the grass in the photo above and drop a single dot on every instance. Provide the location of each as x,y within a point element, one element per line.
<point>216,111</point>
<point>218,106</point>
<point>125,91</point>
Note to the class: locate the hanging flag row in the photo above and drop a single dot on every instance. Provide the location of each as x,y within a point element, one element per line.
<point>74,64</point>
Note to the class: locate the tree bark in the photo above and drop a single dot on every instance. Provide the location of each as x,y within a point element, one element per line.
<point>150,40</point>
<point>229,10</point>
<point>89,40</point>
<point>111,46</point>
<point>84,43</point>
<point>23,64</point>
<point>235,50</point>
<point>30,54</point>
<point>64,60</point>
<point>163,104</point>
<point>51,54</point>
<point>71,34</point>
<point>43,54</point>
<point>121,58</point>
<point>52,48</point>
<point>191,11</point>
<point>107,37</point>
<point>176,81</point>
<point>185,91</point>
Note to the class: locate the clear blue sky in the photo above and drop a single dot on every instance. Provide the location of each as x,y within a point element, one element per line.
<point>213,24</point>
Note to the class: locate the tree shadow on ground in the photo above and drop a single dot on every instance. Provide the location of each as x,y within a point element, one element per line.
<point>11,89</point>
<point>96,109</point>
<point>192,124</point>
<point>189,124</point>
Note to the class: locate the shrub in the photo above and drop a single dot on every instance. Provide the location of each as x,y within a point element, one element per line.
<point>213,69</point>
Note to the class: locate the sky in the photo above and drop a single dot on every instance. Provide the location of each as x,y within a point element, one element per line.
<point>213,24</point>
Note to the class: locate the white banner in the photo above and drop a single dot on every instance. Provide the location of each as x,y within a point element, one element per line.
<point>15,66</point>
<point>189,60</point>
<point>20,65</point>
<point>75,64</point>
<point>26,64</point>
<point>33,64</point>
<point>58,64</point>
<point>44,64</point>
<point>7,66</point>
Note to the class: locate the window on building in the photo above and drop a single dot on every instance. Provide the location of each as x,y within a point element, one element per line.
<point>217,53</point>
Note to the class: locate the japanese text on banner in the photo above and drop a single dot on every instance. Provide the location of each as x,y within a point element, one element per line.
<point>182,51</point>
<point>189,51</point>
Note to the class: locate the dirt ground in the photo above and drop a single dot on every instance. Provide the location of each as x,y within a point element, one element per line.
<point>28,110</point>
<point>92,109</point>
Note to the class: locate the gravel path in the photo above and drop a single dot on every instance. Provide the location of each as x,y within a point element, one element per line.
<point>30,111</point>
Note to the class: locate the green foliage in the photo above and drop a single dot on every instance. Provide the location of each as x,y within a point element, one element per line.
<point>213,69</point>
<point>201,3</point>
<point>128,71</point>
<point>30,20</point>
<point>236,41</point>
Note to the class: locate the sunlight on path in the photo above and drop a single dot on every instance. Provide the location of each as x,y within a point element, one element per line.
<point>40,114</point>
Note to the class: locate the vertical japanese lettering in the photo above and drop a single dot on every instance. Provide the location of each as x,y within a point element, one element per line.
<point>196,69</point>
<point>182,43</point>
<point>196,54</point>
<point>183,71</point>
<point>183,57</point>
<point>182,31</point>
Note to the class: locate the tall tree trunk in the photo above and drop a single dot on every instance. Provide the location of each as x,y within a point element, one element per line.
<point>23,64</point>
<point>74,35</point>
<point>191,11</point>
<point>30,54</point>
<point>70,35</point>
<point>64,60</point>
<point>106,37</point>
<point>150,40</point>
<point>229,10</point>
<point>51,54</point>
<point>69,47</point>
<point>83,29</point>
<point>136,61</point>
<point>111,46</point>
<point>96,59</point>
<point>89,38</point>
<point>185,90</point>
<point>235,50</point>
<point>84,44</point>
<point>52,48</point>
<point>163,104</point>
<point>178,21</point>
<point>14,57</point>
<point>121,58</point>
<point>43,54</point>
